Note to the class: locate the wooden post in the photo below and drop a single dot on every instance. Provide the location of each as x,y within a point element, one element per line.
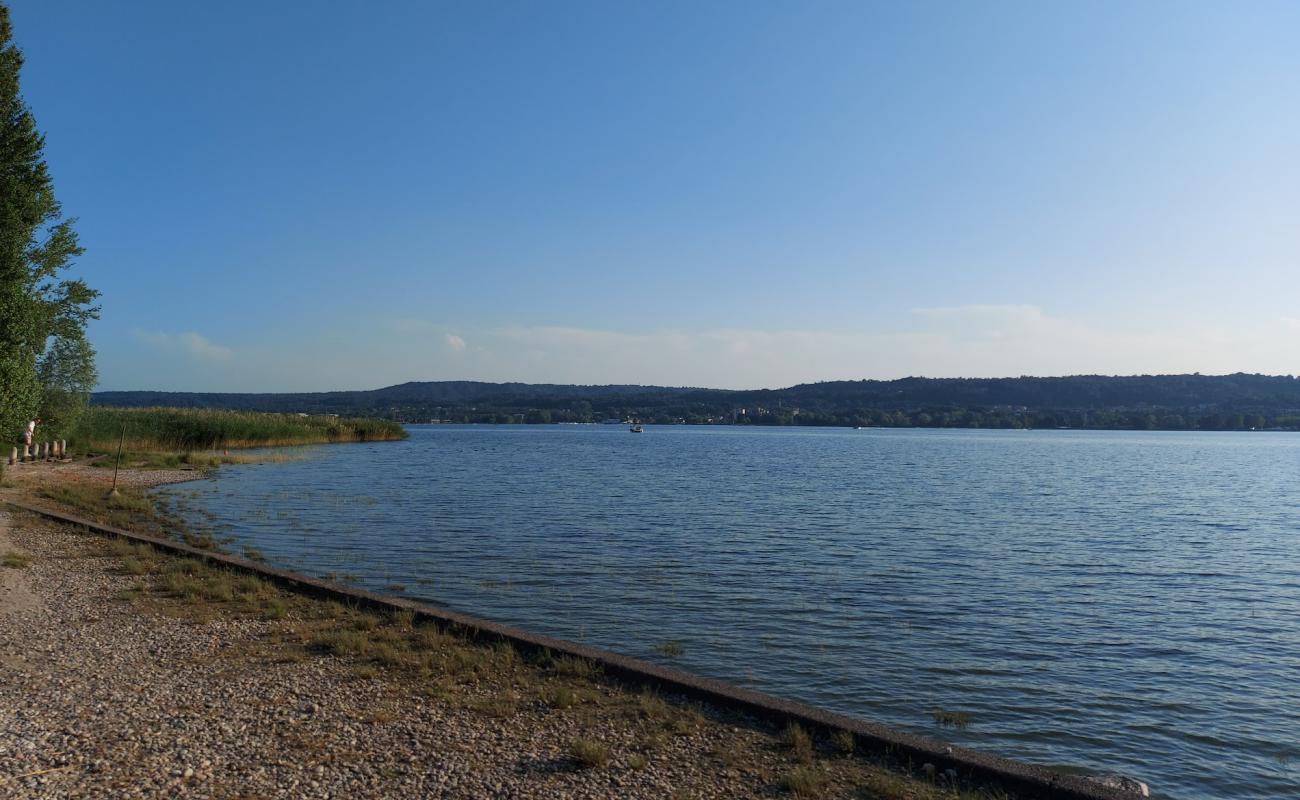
<point>45,450</point>
<point>26,452</point>
<point>13,456</point>
<point>54,445</point>
<point>63,447</point>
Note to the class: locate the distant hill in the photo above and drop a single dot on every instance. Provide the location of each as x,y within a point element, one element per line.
<point>1206,402</point>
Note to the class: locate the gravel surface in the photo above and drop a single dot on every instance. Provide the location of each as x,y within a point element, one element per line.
<point>104,697</point>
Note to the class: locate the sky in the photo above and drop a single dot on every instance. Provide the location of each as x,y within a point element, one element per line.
<point>314,195</point>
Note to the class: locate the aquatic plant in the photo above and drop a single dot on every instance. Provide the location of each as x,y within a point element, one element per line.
<point>953,719</point>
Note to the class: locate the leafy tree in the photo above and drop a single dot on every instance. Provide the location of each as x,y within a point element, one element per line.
<point>39,311</point>
<point>66,372</point>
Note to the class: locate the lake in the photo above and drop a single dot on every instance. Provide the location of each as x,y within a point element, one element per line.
<point>1098,601</point>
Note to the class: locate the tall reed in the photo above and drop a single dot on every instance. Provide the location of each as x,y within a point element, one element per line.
<point>183,429</point>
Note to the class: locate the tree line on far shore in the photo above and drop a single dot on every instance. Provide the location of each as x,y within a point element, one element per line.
<point>47,366</point>
<point>1142,402</point>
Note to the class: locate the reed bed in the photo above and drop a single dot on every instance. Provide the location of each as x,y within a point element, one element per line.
<point>184,429</point>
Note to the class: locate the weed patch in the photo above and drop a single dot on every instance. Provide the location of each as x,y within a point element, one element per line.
<point>798,742</point>
<point>803,782</point>
<point>589,753</point>
<point>16,560</point>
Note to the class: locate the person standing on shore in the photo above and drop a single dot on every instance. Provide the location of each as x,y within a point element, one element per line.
<point>30,431</point>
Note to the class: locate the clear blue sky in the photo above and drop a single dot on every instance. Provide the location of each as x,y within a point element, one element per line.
<point>320,195</point>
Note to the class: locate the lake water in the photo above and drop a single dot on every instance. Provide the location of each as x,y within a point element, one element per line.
<point>1097,601</point>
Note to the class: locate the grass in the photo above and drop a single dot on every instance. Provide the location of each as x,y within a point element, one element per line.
<point>560,696</point>
<point>574,667</point>
<point>799,743</point>
<point>181,431</point>
<point>589,753</point>
<point>498,706</point>
<point>844,741</point>
<point>804,782</point>
<point>16,560</point>
<point>130,509</point>
<point>162,459</point>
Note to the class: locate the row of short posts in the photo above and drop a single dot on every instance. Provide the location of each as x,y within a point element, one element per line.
<point>45,451</point>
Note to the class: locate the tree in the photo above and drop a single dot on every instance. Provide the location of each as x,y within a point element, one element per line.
<point>66,373</point>
<point>40,313</point>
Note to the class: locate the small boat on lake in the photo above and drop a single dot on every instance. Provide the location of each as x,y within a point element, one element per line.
<point>635,429</point>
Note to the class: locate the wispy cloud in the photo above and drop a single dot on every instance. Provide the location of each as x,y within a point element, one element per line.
<point>454,343</point>
<point>187,343</point>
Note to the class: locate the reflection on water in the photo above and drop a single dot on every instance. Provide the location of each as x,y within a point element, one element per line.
<point>1100,601</point>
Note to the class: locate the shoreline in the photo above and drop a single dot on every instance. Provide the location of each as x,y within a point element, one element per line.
<point>743,715</point>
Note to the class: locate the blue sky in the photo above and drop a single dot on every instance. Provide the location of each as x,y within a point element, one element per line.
<point>334,195</point>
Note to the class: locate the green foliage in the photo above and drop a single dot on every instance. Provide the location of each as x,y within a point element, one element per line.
<point>67,374</point>
<point>180,429</point>
<point>38,308</point>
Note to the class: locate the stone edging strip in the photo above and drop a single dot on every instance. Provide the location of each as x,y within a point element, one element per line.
<point>1026,780</point>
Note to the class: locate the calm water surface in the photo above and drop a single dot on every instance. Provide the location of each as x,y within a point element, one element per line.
<point>1097,601</point>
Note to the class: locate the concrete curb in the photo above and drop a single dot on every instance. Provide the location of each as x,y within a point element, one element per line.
<point>1025,780</point>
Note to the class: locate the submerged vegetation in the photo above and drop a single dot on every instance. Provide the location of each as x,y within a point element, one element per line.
<point>184,430</point>
<point>955,719</point>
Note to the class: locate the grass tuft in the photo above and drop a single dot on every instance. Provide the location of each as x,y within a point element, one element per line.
<point>589,753</point>
<point>797,740</point>
<point>803,782</point>
<point>574,667</point>
<point>844,741</point>
<point>16,560</point>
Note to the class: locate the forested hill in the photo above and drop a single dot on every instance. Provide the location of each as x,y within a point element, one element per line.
<point>1206,402</point>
